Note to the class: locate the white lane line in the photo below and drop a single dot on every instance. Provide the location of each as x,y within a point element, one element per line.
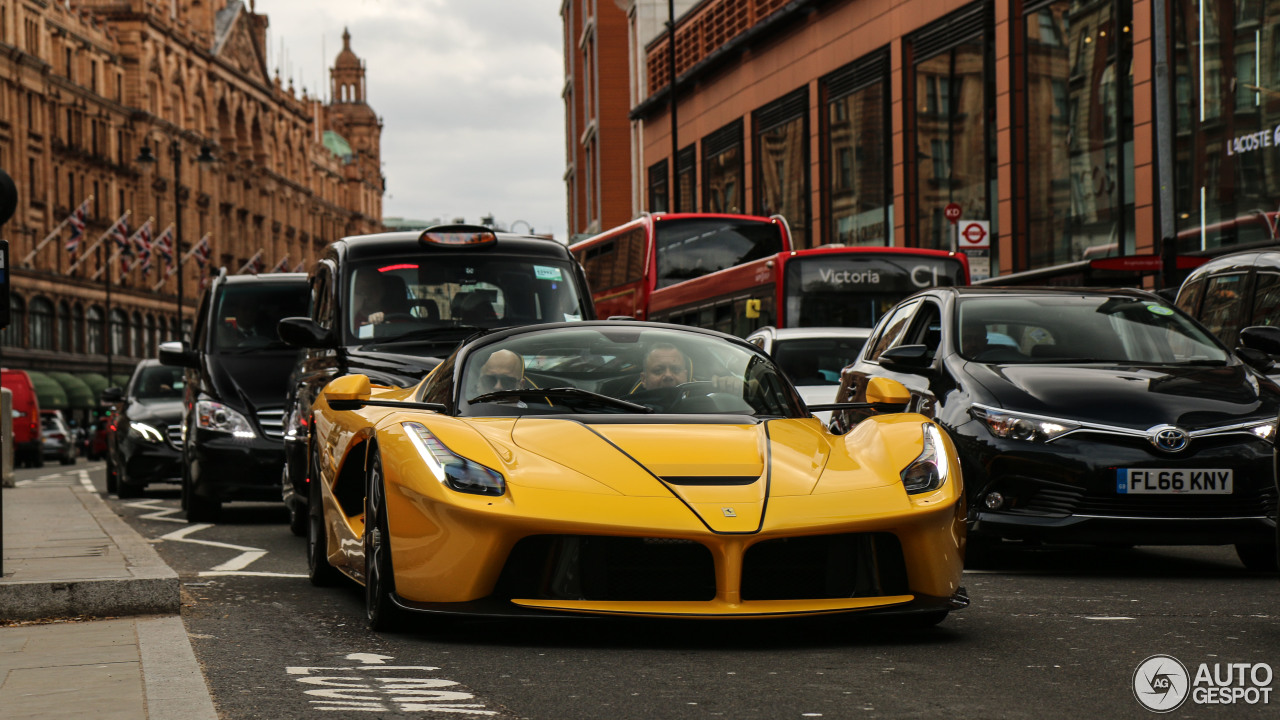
<point>1103,617</point>
<point>161,512</point>
<point>234,566</point>
<point>86,482</point>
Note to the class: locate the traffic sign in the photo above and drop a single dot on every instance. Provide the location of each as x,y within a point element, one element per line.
<point>974,234</point>
<point>952,213</point>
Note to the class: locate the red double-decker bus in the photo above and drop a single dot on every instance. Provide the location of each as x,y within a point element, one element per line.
<point>736,273</point>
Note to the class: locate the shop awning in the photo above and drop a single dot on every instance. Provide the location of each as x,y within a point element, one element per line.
<point>120,381</point>
<point>79,395</point>
<point>48,391</point>
<point>97,383</point>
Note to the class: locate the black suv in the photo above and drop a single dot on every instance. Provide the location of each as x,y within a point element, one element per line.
<point>393,305</point>
<point>236,382</point>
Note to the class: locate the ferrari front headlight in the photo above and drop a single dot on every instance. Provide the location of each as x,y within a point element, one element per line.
<point>146,432</point>
<point>212,415</point>
<point>452,469</point>
<point>930,469</point>
<point>1018,426</point>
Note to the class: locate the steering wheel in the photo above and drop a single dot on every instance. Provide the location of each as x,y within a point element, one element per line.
<point>389,316</point>
<point>704,387</point>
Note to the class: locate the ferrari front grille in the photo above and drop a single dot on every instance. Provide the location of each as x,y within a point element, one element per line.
<point>588,567</point>
<point>825,566</point>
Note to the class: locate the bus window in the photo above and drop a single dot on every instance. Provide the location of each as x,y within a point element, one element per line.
<point>857,289</point>
<point>688,248</point>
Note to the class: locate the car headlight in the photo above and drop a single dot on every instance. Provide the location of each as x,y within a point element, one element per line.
<point>146,432</point>
<point>1266,431</point>
<point>215,416</point>
<point>451,468</point>
<point>930,469</point>
<point>1018,426</point>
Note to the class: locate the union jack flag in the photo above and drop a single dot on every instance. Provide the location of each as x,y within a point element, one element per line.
<point>282,266</point>
<point>202,251</point>
<point>77,221</point>
<point>142,239</point>
<point>163,245</point>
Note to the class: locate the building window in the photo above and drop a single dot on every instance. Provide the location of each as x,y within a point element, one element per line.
<point>858,196</point>
<point>781,162</point>
<point>1079,132</point>
<point>40,316</point>
<point>12,335</point>
<point>77,329</point>
<point>722,172</point>
<point>94,331</point>
<point>686,179</point>
<point>659,193</point>
<point>139,339</point>
<point>119,331</point>
<point>949,97</point>
<point>64,327</point>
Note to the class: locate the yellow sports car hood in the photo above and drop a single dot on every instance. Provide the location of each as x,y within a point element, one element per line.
<point>724,473</point>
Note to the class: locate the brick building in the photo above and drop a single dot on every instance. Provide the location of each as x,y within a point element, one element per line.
<point>85,88</point>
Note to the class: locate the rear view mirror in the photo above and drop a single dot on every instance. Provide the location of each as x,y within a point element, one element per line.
<point>887,391</point>
<point>907,358</point>
<point>1263,338</point>
<point>112,395</point>
<point>304,332</point>
<point>177,354</point>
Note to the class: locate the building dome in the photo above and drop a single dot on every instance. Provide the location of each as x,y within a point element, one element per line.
<point>347,60</point>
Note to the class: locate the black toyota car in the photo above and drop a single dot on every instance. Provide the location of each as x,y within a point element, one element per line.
<point>393,305</point>
<point>146,446</point>
<point>1087,416</point>
<point>237,372</point>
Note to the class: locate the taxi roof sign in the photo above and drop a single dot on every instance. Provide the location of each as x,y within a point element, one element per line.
<point>458,236</point>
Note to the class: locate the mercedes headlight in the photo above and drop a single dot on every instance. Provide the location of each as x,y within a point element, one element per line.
<point>452,469</point>
<point>145,432</point>
<point>1017,426</point>
<point>1266,431</point>
<point>930,469</point>
<point>215,416</point>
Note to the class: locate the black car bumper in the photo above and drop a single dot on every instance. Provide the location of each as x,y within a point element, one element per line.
<point>145,463</point>
<point>1067,492</point>
<point>224,467</point>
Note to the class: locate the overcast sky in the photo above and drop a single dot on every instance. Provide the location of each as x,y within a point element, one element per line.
<point>468,92</point>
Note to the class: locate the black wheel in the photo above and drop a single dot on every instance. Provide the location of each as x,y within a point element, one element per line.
<point>113,482</point>
<point>69,460</point>
<point>379,577</point>
<point>38,461</point>
<point>297,518</point>
<point>319,571</point>
<point>1259,557</point>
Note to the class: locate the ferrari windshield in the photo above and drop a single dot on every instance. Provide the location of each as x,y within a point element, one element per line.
<point>621,368</point>
<point>392,299</point>
<point>1063,328</point>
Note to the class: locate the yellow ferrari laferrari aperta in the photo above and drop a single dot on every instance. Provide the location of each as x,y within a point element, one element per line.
<point>627,469</point>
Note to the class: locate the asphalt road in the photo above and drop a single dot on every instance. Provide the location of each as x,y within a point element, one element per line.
<point>1049,634</point>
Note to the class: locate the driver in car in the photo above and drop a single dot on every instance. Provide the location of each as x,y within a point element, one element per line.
<point>666,366</point>
<point>370,297</point>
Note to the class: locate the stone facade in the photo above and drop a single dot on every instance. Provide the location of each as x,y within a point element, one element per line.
<point>86,86</point>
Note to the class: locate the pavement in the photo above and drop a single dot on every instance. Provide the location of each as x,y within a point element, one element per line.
<point>89,614</point>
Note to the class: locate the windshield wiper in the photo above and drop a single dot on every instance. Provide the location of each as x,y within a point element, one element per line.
<point>425,334</point>
<point>562,393</point>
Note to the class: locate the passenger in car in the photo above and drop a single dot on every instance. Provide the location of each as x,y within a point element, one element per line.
<point>504,370</point>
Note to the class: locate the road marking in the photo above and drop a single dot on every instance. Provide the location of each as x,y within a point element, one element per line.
<point>161,512</point>
<point>1119,617</point>
<point>394,692</point>
<point>85,482</point>
<point>62,479</point>
<point>234,566</point>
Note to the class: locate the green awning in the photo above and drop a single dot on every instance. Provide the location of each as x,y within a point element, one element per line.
<point>120,381</point>
<point>97,383</point>
<point>48,391</point>
<point>79,395</point>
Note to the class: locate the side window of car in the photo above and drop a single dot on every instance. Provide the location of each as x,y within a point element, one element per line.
<point>892,330</point>
<point>1266,299</point>
<point>1223,297</point>
<point>1189,297</point>
<point>198,335</point>
<point>926,328</point>
<point>322,296</point>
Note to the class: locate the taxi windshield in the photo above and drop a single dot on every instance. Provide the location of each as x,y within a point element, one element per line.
<point>622,370</point>
<point>391,299</point>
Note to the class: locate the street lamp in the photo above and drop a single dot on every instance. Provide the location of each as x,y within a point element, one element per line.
<point>147,159</point>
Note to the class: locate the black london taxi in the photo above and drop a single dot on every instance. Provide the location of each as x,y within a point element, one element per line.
<point>393,305</point>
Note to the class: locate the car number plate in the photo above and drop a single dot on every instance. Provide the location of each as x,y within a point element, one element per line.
<point>1170,481</point>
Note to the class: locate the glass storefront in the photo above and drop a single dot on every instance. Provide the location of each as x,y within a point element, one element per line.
<point>859,188</point>
<point>658,187</point>
<point>950,103</point>
<point>722,170</point>
<point>1079,59</point>
<point>782,163</point>
<point>1225,58</point>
